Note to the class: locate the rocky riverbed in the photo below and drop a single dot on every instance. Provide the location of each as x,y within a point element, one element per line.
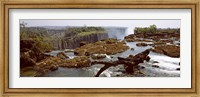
<point>111,56</point>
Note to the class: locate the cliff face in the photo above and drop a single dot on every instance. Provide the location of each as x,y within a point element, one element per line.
<point>75,42</point>
<point>94,34</point>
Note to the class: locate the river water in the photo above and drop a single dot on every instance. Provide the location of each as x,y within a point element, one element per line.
<point>159,65</point>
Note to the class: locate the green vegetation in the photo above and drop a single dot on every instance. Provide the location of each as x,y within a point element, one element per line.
<point>89,33</point>
<point>38,35</point>
<point>151,29</point>
<point>82,31</point>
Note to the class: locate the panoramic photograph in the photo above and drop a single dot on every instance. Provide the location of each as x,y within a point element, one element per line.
<point>99,48</point>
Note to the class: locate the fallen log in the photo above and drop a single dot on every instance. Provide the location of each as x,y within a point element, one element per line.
<point>129,63</point>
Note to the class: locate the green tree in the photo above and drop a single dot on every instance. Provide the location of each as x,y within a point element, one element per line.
<point>39,35</point>
<point>153,28</point>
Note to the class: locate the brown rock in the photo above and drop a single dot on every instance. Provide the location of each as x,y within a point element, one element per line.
<point>81,61</point>
<point>53,67</point>
<point>141,44</point>
<point>62,55</point>
<point>169,50</point>
<point>83,43</point>
<point>98,56</point>
<point>106,46</point>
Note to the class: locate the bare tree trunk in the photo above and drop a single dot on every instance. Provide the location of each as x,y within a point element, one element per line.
<point>130,62</point>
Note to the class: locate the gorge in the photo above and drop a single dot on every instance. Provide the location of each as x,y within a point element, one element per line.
<point>109,45</point>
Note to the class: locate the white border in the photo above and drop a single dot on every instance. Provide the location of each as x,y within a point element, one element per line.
<point>91,82</point>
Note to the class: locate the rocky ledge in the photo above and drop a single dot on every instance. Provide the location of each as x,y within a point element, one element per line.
<point>107,46</point>
<point>169,50</point>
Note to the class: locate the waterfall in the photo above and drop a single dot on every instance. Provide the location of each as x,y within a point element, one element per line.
<point>116,32</point>
<point>130,30</point>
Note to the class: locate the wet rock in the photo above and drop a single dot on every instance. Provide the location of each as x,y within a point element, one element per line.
<point>130,36</point>
<point>123,41</point>
<point>156,66</point>
<point>98,56</point>
<point>178,69</point>
<point>169,50</point>
<point>142,67</point>
<point>53,67</point>
<point>132,49</point>
<point>147,58</point>
<point>62,55</point>
<point>117,75</point>
<point>141,44</point>
<point>155,62</point>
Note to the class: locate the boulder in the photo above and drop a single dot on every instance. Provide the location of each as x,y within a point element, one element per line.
<point>53,67</point>
<point>132,49</point>
<point>98,56</point>
<point>141,44</point>
<point>156,66</point>
<point>178,69</point>
<point>62,55</point>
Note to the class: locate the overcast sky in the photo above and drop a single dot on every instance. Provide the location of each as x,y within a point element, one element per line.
<point>118,23</point>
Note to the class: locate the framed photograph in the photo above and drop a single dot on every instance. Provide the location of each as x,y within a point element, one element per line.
<point>100,48</point>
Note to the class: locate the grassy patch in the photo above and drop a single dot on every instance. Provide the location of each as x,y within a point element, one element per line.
<point>89,33</point>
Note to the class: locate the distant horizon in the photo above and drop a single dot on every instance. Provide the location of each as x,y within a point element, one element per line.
<point>89,26</point>
<point>103,23</point>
